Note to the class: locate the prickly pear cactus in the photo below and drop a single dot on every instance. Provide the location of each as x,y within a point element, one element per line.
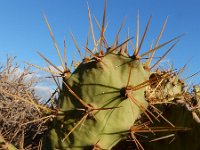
<point>114,100</point>
<point>180,113</point>
<point>99,103</point>
<point>167,87</point>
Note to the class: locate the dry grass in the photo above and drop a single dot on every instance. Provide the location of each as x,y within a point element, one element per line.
<point>20,111</point>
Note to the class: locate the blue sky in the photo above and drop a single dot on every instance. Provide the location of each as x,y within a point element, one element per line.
<point>23,30</point>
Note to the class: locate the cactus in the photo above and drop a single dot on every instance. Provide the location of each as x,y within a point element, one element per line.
<point>103,99</point>
<point>181,113</point>
<point>111,97</point>
<point>103,103</point>
<point>165,89</point>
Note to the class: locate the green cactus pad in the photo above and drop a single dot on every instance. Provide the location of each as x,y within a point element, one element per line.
<point>102,85</point>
